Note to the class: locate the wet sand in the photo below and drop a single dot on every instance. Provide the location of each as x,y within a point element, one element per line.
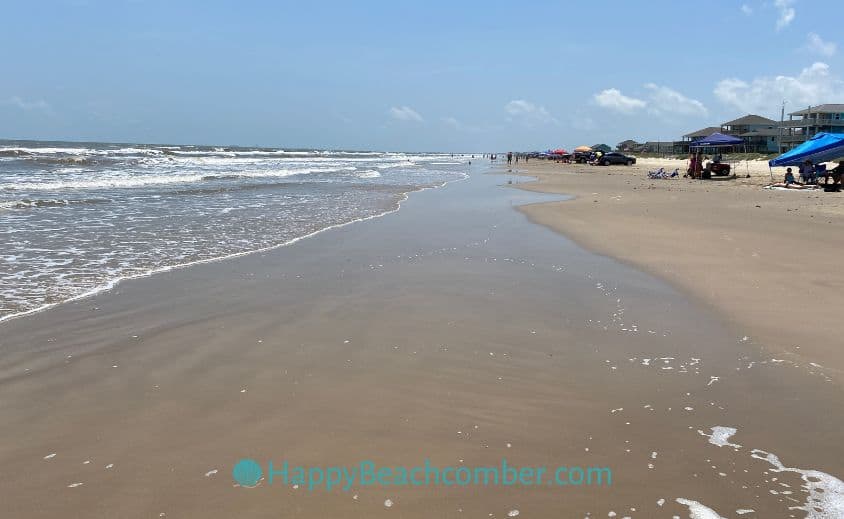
<point>769,261</point>
<point>453,330</point>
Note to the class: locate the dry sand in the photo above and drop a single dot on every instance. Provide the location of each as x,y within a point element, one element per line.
<point>454,330</point>
<point>771,261</point>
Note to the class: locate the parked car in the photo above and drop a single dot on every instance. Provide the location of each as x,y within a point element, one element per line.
<point>582,157</point>
<point>615,157</point>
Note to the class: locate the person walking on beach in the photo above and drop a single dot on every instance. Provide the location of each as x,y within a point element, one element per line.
<point>509,157</point>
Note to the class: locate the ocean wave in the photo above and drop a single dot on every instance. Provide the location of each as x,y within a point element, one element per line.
<point>13,152</point>
<point>48,202</point>
<point>33,301</point>
<point>76,160</point>
<point>396,165</point>
<point>102,183</point>
<point>51,151</point>
<point>370,173</point>
<point>145,180</point>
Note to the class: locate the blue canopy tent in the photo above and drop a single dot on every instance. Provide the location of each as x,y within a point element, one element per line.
<point>822,147</point>
<point>718,140</point>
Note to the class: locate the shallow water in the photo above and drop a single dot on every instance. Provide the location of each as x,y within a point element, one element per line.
<point>74,218</point>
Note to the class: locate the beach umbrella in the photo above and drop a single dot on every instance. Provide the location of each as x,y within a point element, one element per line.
<point>560,151</point>
<point>583,148</point>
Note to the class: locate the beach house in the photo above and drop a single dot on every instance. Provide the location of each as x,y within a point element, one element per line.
<point>760,133</point>
<point>805,124</point>
<point>682,146</point>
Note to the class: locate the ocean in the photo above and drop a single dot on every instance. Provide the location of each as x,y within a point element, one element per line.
<point>75,218</point>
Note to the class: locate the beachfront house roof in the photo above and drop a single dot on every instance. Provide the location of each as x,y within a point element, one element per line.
<point>703,132</point>
<point>751,120</point>
<point>628,145</point>
<point>601,147</point>
<point>821,109</point>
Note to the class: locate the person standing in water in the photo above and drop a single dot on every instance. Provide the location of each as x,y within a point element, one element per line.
<point>509,157</point>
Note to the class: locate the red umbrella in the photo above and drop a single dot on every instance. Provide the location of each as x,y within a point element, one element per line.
<point>560,151</point>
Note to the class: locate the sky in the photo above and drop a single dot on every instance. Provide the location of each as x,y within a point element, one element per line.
<point>408,76</point>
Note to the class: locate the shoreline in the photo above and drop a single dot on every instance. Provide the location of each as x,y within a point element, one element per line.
<point>661,227</point>
<point>113,283</point>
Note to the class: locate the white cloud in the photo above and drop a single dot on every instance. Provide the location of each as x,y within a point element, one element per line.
<point>405,113</point>
<point>661,100</point>
<point>29,106</point>
<point>814,85</point>
<point>613,99</point>
<point>786,13</point>
<point>665,101</point>
<point>825,48</point>
<point>529,113</point>
<point>746,9</point>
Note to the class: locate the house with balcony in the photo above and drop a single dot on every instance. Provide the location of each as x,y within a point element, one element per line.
<point>802,125</point>
<point>627,146</point>
<point>760,133</point>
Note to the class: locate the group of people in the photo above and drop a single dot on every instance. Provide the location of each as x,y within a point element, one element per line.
<point>511,157</point>
<point>811,173</point>
<point>696,167</point>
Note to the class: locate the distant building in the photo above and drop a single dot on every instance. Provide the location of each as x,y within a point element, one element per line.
<point>760,133</point>
<point>703,132</point>
<point>682,146</point>
<point>656,147</point>
<point>601,147</point>
<point>627,146</point>
<point>802,125</point>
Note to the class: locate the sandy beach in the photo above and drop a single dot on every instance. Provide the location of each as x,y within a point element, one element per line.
<point>769,260</point>
<point>458,331</point>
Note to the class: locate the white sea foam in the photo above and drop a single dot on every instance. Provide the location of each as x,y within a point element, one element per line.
<point>698,510</point>
<point>104,182</point>
<point>825,491</point>
<point>720,436</point>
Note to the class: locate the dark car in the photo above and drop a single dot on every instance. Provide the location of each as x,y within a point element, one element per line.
<point>615,157</point>
<point>582,157</point>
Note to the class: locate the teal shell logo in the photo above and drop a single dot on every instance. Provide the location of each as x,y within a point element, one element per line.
<point>247,472</point>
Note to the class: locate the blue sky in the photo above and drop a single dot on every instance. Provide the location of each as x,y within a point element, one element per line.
<point>431,75</point>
